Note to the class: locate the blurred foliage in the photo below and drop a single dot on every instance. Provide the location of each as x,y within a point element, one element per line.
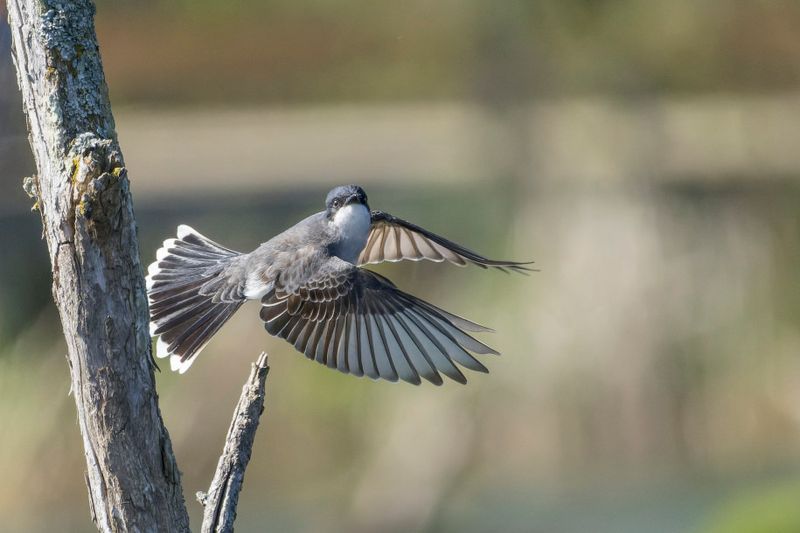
<point>650,373</point>
<point>771,509</point>
<point>182,52</point>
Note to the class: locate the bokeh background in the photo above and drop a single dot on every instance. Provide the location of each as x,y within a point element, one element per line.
<point>644,153</point>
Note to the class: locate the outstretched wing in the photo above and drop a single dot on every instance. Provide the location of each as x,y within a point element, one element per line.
<point>394,239</point>
<point>359,323</point>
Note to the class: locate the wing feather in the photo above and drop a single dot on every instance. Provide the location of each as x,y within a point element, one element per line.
<point>358,322</point>
<point>338,348</point>
<point>394,239</point>
<point>433,349</point>
<point>380,349</point>
<point>394,344</point>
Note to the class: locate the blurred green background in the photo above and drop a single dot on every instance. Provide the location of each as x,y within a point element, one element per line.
<point>644,153</point>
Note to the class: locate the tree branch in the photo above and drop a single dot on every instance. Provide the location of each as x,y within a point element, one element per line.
<point>223,494</point>
<point>82,193</point>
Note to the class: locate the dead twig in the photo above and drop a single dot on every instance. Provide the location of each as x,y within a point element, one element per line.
<point>223,495</point>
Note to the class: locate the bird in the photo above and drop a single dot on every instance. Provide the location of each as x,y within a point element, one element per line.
<point>316,294</point>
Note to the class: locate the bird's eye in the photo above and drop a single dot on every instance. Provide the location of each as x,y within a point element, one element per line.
<point>336,203</point>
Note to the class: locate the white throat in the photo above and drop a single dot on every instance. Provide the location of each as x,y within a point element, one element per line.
<point>352,225</point>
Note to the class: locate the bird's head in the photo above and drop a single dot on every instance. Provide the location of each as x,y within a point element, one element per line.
<point>342,196</point>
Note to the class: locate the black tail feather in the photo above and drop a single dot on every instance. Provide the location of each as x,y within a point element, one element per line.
<point>183,316</point>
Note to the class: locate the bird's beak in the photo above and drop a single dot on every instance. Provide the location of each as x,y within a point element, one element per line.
<point>352,199</point>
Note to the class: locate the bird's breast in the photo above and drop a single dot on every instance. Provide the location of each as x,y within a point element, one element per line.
<point>351,224</point>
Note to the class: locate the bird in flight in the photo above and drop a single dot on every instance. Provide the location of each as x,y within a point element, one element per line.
<point>316,295</point>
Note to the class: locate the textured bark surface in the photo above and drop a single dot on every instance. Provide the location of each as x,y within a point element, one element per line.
<point>223,495</point>
<point>82,194</point>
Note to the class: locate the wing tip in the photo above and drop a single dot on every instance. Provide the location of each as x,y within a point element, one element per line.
<point>438,383</point>
<point>461,379</point>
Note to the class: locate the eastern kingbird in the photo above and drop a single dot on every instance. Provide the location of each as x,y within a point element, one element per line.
<point>315,294</point>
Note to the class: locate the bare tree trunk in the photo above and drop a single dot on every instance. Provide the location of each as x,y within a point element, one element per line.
<point>82,194</point>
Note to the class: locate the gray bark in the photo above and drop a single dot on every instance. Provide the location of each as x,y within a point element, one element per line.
<point>82,194</point>
<point>223,495</point>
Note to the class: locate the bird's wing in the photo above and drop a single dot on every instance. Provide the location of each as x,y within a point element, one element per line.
<point>359,323</point>
<point>394,239</point>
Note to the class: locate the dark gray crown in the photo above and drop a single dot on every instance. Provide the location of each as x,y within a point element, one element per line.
<point>345,194</point>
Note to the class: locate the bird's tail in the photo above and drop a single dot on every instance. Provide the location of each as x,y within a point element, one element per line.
<point>187,305</point>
